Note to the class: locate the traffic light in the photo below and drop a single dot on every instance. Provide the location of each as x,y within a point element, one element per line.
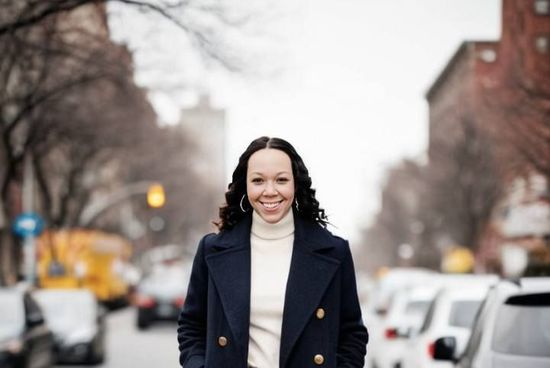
<point>155,196</point>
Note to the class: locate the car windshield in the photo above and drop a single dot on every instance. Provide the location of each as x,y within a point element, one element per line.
<point>523,327</point>
<point>463,313</point>
<point>67,309</point>
<point>165,280</point>
<point>11,314</point>
<point>417,307</point>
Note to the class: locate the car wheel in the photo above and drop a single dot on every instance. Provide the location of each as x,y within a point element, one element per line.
<point>143,320</point>
<point>97,356</point>
<point>97,352</point>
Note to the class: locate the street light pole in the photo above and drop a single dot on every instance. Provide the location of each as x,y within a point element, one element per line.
<point>92,211</point>
<point>29,243</point>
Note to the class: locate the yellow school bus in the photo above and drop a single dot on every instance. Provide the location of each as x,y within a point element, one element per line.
<point>90,259</point>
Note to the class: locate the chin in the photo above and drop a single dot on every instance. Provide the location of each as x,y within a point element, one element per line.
<point>273,218</point>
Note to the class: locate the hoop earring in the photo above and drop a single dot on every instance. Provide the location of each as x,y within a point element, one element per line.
<point>296,203</point>
<point>241,203</point>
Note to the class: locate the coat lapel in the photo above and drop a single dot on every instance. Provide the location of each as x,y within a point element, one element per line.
<point>310,275</point>
<point>230,271</point>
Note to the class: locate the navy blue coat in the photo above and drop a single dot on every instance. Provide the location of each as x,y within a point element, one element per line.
<point>214,322</point>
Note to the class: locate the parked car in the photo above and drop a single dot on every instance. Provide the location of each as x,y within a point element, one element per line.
<point>25,340</point>
<point>451,313</point>
<point>407,311</point>
<point>160,294</point>
<point>77,322</point>
<point>511,330</point>
<point>379,300</point>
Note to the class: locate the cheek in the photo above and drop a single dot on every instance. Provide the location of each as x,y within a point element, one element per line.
<point>288,192</point>
<point>253,192</point>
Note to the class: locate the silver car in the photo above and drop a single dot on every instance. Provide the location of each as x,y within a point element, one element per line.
<point>511,330</point>
<point>25,340</point>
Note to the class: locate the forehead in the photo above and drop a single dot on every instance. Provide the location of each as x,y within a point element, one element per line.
<point>269,160</point>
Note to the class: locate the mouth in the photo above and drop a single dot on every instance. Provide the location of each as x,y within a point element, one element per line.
<point>270,206</point>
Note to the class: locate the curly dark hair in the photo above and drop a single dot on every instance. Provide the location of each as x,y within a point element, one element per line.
<point>308,206</point>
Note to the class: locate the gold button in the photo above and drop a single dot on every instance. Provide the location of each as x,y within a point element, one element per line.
<point>318,359</point>
<point>222,341</point>
<point>320,313</point>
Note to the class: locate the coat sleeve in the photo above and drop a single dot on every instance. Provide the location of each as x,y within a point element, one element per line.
<point>353,336</point>
<point>192,319</point>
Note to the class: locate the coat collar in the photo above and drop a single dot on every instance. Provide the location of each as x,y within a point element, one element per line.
<point>314,237</point>
<point>309,276</point>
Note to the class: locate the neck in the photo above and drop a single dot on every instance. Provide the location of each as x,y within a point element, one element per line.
<point>278,230</point>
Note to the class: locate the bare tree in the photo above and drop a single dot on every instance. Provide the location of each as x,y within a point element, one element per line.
<point>168,157</point>
<point>464,183</point>
<point>67,96</point>
<point>203,21</point>
<point>398,221</point>
<point>80,136</point>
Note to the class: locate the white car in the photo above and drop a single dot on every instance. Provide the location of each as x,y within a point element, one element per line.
<point>450,314</point>
<point>379,299</point>
<point>407,312</point>
<point>77,322</point>
<point>512,329</point>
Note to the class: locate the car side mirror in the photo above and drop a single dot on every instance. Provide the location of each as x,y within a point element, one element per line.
<point>444,348</point>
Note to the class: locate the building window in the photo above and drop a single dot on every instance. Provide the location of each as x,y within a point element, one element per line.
<point>542,7</point>
<point>542,44</point>
<point>488,55</point>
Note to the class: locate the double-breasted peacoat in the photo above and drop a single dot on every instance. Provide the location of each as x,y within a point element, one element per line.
<point>322,325</point>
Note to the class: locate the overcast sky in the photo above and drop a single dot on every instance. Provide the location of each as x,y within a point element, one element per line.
<point>350,96</point>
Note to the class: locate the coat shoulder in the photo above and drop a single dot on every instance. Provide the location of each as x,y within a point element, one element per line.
<point>325,241</point>
<point>336,240</point>
<point>208,241</point>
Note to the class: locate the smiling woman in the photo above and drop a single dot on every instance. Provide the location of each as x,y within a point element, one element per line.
<point>273,288</point>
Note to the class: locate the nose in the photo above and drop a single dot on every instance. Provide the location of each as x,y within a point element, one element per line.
<point>270,189</point>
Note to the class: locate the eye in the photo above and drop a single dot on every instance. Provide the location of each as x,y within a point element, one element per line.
<point>257,180</point>
<point>283,180</point>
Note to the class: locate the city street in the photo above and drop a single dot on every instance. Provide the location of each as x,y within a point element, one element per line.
<point>276,169</point>
<point>128,347</point>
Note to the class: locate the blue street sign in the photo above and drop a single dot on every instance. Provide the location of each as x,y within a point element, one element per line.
<point>28,224</point>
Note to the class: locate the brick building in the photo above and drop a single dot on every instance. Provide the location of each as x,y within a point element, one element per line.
<point>503,88</point>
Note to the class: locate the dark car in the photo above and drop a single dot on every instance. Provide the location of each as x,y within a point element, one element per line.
<point>25,340</point>
<point>161,293</point>
<point>77,322</point>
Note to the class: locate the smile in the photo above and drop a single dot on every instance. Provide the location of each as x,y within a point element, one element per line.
<point>271,205</point>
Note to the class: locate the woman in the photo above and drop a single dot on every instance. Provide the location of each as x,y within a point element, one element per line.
<point>273,288</point>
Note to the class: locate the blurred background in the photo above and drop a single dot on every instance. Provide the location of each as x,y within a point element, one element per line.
<point>425,126</point>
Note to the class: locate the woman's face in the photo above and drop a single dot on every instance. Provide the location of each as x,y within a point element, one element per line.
<point>270,184</point>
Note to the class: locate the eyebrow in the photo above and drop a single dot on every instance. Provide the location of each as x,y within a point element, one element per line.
<point>279,173</point>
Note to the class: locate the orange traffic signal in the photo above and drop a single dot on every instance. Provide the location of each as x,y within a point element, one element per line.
<point>155,196</point>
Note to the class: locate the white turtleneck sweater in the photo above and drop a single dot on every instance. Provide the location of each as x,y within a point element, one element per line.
<point>271,253</point>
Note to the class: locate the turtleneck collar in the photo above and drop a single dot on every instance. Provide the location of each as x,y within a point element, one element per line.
<point>279,230</point>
